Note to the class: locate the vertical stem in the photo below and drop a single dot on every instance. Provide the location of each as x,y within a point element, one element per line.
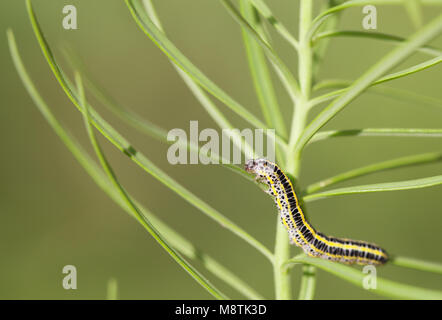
<point>305,68</point>
<point>305,61</point>
<point>308,283</point>
<point>283,289</point>
<point>293,160</point>
<point>305,55</point>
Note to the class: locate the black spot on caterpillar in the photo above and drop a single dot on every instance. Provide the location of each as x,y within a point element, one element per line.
<point>301,233</point>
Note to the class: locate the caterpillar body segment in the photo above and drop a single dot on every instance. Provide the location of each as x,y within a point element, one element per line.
<point>301,232</point>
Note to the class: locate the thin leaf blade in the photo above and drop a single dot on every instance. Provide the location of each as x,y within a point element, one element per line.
<point>378,187</point>
<point>124,146</point>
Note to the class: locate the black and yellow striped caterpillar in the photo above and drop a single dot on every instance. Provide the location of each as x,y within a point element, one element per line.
<point>301,233</point>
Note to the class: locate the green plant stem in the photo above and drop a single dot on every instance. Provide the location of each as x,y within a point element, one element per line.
<point>305,67</point>
<point>293,159</point>
<point>282,245</point>
<point>308,283</point>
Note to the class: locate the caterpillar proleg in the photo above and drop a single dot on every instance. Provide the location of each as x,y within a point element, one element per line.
<point>301,233</point>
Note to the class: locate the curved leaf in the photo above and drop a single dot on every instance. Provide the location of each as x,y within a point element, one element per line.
<point>378,132</point>
<point>378,187</point>
<point>260,73</point>
<point>374,168</point>
<point>159,38</point>
<point>288,79</point>
<point>392,76</point>
<point>373,35</point>
<point>394,93</point>
<point>414,10</point>
<point>319,20</point>
<point>137,213</point>
<point>279,27</point>
<point>124,146</point>
<point>201,96</point>
<point>175,239</point>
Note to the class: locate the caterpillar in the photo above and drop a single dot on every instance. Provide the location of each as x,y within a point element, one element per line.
<point>301,233</point>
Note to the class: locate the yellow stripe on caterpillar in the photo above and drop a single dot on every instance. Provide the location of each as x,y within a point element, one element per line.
<point>301,232</point>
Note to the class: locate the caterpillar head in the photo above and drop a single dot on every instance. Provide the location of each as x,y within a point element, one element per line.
<point>259,167</point>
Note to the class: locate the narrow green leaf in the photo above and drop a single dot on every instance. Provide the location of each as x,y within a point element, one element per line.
<point>265,11</point>
<point>147,127</point>
<point>261,76</point>
<point>177,241</point>
<point>319,20</point>
<point>392,76</point>
<point>124,146</point>
<point>384,287</point>
<point>414,10</point>
<point>413,69</point>
<point>373,35</point>
<point>320,49</point>
<point>378,187</point>
<point>81,156</point>
<point>260,73</point>
<point>401,52</point>
<point>97,175</point>
<point>417,264</point>
<point>134,208</point>
<point>374,168</point>
<point>288,79</point>
<point>105,98</point>
<point>394,93</point>
<point>143,125</point>
<point>200,95</point>
<point>378,132</point>
<point>159,38</point>
<point>402,73</point>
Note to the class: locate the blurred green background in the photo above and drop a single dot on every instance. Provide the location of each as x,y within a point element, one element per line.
<point>52,214</point>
